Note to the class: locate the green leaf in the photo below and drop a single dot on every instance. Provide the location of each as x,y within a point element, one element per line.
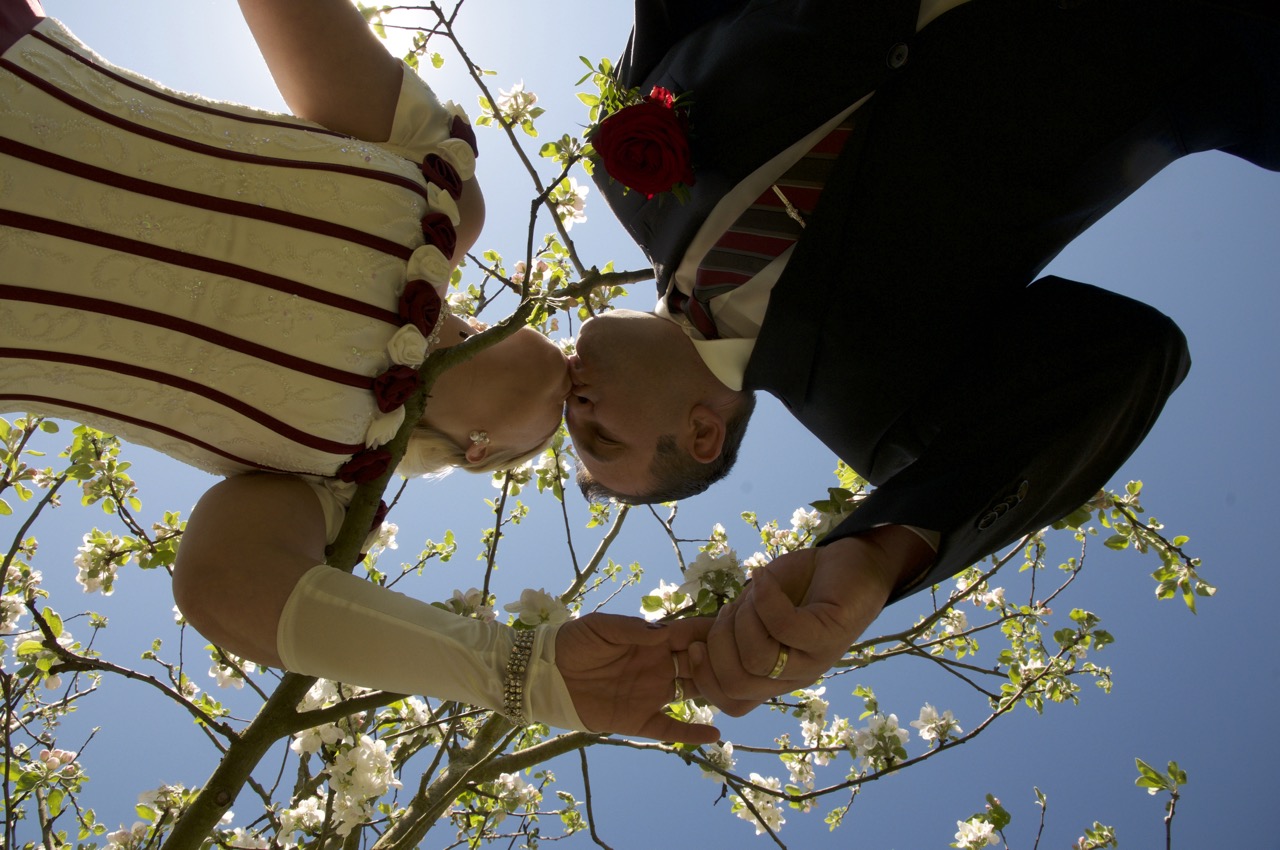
<point>5,510</point>
<point>1149,777</point>
<point>54,801</point>
<point>1116,541</point>
<point>54,621</point>
<point>29,647</point>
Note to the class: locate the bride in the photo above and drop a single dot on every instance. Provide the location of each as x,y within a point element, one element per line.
<point>252,294</point>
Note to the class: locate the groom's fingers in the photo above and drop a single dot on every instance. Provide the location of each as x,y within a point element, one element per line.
<point>711,686</point>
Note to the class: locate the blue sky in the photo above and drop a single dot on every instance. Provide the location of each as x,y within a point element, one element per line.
<point>1199,242</point>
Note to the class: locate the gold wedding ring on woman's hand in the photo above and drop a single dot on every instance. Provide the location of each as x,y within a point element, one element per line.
<point>781,663</point>
<point>675,662</point>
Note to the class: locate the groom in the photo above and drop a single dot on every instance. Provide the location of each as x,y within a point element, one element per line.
<point>959,147</point>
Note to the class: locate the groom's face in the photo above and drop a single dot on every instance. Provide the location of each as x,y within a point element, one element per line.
<point>627,392</point>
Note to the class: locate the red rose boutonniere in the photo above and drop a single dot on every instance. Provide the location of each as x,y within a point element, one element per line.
<point>645,144</point>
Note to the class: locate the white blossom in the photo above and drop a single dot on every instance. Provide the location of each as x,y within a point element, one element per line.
<point>721,756</point>
<point>513,479</point>
<point>230,672</point>
<point>536,607</point>
<point>11,608</point>
<point>311,740</point>
<point>359,775</point>
<point>936,727</point>
<point>461,303</point>
<point>954,622</point>
<point>569,200</point>
<point>307,816</point>
<point>770,812</point>
<point>515,792</point>
<point>127,839</point>
<point>669,600</point>
<point>990,599</point>
<point>552,464</point>
<point>813,714</point>
<point>704,714</point>
<point>973,834</point>
<point>241,839</point>
<point>515,104</point>
<point>95,565</point>
<point>879,744</point>
<point>471,604</point>
<point>802,520</point>
<point>718,545</point>
<point>720,574</point>
<point>384,539</point>
<point>801,771</point>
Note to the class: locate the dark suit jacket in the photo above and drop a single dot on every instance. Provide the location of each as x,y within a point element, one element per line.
<point>906,332</point>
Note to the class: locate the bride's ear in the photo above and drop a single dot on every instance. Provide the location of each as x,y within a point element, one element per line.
<point>476,452</point>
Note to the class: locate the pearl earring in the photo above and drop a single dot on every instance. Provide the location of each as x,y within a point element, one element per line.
<point>480,438</point>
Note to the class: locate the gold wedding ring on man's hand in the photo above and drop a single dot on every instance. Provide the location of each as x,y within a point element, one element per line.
<point>781,663</point>
<point>675,662</point>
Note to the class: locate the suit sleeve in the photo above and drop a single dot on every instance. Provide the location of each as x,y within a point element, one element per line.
<point>1030,427</point>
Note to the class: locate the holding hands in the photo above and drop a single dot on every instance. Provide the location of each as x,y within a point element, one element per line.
<point>799,615</point>
<point>788,627</point>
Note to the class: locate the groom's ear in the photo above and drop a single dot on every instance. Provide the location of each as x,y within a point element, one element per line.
<point>706,433</point>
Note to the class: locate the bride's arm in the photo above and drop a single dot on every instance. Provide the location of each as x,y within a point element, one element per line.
<point>329,67</point>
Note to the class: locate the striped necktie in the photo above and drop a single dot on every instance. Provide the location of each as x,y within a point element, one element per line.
<point>763,231</point>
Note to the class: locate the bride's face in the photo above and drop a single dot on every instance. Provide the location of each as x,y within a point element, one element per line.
<point>514,390</point>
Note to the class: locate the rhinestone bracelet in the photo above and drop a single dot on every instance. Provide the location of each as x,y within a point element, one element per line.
<point>513,684</point>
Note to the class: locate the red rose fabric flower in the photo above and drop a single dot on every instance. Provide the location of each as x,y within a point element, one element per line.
<point>460,129</point>
<point>420,305</point>
<point>645,146</point>
<point>437,170</point>
<point>365,466</point>
<point>438,231</point>
<point>393,387</point>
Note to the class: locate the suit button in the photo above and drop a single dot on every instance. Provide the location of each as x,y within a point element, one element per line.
<point>1022,490</point>
<point>987,521</point>
<point>897,56</point>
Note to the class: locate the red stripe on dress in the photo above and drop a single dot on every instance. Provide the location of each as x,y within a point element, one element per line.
<point>230,402</point>
<point>197,107</point>
<point>17,17</point>
<point>199,147</point>
<point>133,420</point>
<point>56,162</point>
<point>184,259</point>
<point>102,307</point>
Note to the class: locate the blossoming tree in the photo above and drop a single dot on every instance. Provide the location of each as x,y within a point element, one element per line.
<point>323,764</point>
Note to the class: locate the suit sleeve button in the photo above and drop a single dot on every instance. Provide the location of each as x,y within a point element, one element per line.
<point>897,56</point>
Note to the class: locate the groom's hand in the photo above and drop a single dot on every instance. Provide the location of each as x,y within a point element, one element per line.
<point>814,604</point>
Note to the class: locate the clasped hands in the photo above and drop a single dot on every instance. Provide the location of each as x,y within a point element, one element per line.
<point>790,624</point>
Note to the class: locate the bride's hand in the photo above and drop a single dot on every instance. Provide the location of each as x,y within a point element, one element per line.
<point>621,672</point>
